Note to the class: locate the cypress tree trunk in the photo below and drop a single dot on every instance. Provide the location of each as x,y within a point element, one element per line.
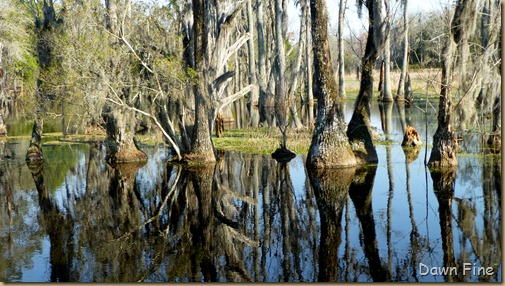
<point>445,144</point>
<point>120,132</point>
<point>358,131</point>
<point>281,100</point>
<point>330,146</point>
<point>120,121</point>
<point>34,155</point>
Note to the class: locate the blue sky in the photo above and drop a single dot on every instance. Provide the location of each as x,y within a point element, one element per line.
<point>359,25</point>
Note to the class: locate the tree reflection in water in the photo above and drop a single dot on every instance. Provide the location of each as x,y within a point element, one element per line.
<point>330,188</point>
<point>58,226</point>
<point>248,218</point>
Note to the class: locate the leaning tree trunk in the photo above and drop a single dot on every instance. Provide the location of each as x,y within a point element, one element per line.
<point>358,131</point>
<point>403,75</point>
<point>445,144</point>
<point>330,146</point>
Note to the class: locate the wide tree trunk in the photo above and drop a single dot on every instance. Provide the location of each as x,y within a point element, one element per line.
<point>403,75</point>
<point>122,148</point>
<point>358,131</point>
<point>330,146</point>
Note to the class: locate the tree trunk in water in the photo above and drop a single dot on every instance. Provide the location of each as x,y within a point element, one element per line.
<point>494,140</point>
<point>252,57</point>
<point>403,75</point>
<point>120,121</point>
<point>44,27</point>
<point>296,73</point>
<point>386,89</point>
<point>358,131</point>
<point>262,80</point>
<point>34,155</point>
<point>3,127</point>
<point>341,67</point>
<point>330,146</point>
<point>120,134</point>
<point>281,100</point>
<point>202,150</point>
<point>445,144</point>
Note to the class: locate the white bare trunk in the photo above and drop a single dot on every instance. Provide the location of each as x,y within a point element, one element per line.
<point>387,95</point>
<point>401,84</point>
<point>252,57</point>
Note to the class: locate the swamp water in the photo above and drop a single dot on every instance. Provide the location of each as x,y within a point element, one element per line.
<point>249,218</point>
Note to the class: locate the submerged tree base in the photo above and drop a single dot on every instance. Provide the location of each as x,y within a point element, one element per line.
<point>443,153</point>
<point>197,159</point>
<point>127,155</point>
<point>494,143</point>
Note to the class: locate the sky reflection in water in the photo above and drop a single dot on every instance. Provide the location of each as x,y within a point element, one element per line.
<point>248,218</point>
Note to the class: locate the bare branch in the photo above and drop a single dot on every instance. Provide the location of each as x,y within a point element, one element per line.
<point>236,46</point>
<point>155,120</point>
<point>225,101</point>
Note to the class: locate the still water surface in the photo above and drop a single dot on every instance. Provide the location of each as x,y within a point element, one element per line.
<point>249,218</point>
